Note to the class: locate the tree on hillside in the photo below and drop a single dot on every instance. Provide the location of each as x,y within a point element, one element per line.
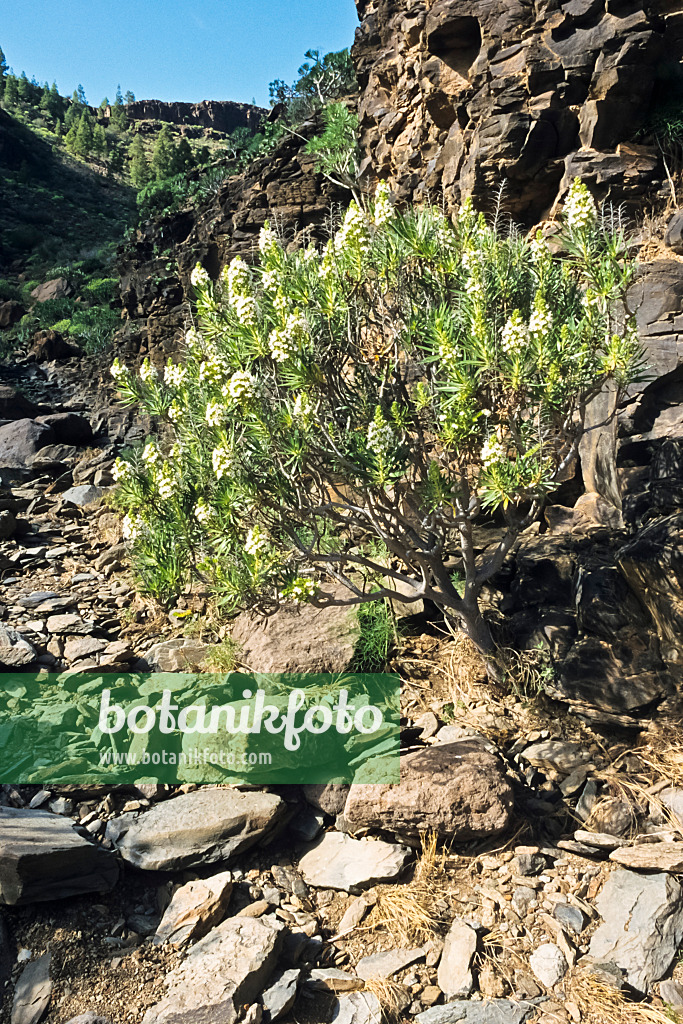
<point>24,88</point>
<point>103,106</point>
<point>321,79</point>
<point>75,108</point>
<point>80,96</point>
<point>140,173</point>
<point>163,154</point>
<point>118,120</point>
<point>11,93</point>
<point>183,158</point>
<point>99,141</point>
<point>84,135</point>
<point>3,72</point>
<point>129,97</point>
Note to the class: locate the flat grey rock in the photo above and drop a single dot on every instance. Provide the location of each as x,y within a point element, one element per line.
<point>384,965</point>
<point>339,862</point>
<point>643,925</point>
<point>454,975</point>
<point>84,494</point>
<point>204,827</point>
<point>42,857</point>
<point>357,1008</point>
<point>32,992</point>
<point>462,1011</point>
<point>228,968</point>
<point>280,995</point>
<point>548,964</point>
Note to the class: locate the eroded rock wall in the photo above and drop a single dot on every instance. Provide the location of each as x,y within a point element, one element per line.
<point>459,96</point>
<point>220,115</point>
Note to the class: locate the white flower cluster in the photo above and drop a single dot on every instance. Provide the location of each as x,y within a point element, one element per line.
<point>148,373</point>
<point>300,590</point>
<point>515,334</point>
<point>193,340</point>
<point>122,470</point>
<point>303,407</point>
<point>237,277</point>
<point>215,414</point>
<point>202,512</point>
<point>474,287</point>
<point>270,280</point>
<point>256,543</point>
<point>212,371</point>
<point>384,208</point>
<point>118,370</point>
<point>132,527</point>
<point>353,234</point>
<point>448,354</point>
<point>268,241</point>
<point>174,375</point>
<point>381,438</point>
<point>151,454</point>
<point>166,481</point>
<point>240,386</point>
<point>538,248</point>
<point>286,341</point>
<point>199,277</point>
<point>246,310</point>
<point>541,320</point>
<point>492,451</point>
<point>175,412</point>
<point>222,461</point>
<point>579,207</point>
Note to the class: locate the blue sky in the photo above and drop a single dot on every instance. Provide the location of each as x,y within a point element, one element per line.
<point>171,49</point>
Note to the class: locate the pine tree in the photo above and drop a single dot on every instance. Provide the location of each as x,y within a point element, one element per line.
<point>23,87</point>
<point>84,135</point>
<point>163,154</point>
<point>129,97</point>
<point>44,103</point>
<point>118,119</point>
<point>70,140</point>
<point>80,95</point>
<point>3,72</point>
<point>58,128</point>
<point>103,106</point>
<point>140,173</point>
<point>183,158</point>
<point>56,102</point>
<point>99,141</point>
<point>11,93</point>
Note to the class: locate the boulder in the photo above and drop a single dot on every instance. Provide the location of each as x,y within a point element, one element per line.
<point>11,311</point>
<point>22,439</point>
<point>228,968</point>
<point>33,991</point>
<point>279,997</point>
<point>642,925</point>
<point>298,638</point>
<point>459,790</point>
<point>194,909</point>
<point>178,655</point>
<point>43,858</point>
<point>86,494</point>
<point>328,797</point>
<point>339,862</point>
<point>49,345</point>
<point>69,427</point>
<point>204,827</point>
<point>14,405</point>
<point>57,288</point>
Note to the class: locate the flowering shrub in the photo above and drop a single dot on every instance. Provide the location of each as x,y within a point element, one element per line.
<point>348,413</point>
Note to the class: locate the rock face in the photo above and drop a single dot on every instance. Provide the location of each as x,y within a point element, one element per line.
<point>340,862</point>
<point>458,97</point>
<point>22,439</point>
<point>458,790</point>
<point>203,827</point>
<point>221,115</point>
<point>643,925</point>
<point>43,858</point>
<point>225,970</point>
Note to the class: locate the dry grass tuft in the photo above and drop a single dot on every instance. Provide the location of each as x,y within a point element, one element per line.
<point>599,1003</point>
<point>391,997</point>
<point>412,913</point>
<point>466,670</point>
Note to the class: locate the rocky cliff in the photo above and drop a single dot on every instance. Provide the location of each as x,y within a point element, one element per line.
<point>220,115</point>
<point>459,96</point>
